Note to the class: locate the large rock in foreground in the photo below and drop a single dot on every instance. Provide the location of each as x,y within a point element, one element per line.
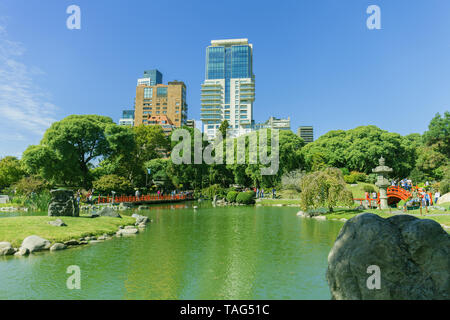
<point>412,255</point>
<point>35,243</point>
<point>63,203</point>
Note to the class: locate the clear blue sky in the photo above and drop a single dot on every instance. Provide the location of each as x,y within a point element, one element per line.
<point>315,61</point>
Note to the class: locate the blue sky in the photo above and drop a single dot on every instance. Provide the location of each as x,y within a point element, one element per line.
<point>314,61</point>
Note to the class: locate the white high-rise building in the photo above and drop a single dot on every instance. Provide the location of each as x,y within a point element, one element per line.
<point>228,91</point>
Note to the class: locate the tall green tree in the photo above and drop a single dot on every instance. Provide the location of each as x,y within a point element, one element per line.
<point>359,150</point>
<point>438,133</point>
<point>10,171</point>
<point>72,146</point>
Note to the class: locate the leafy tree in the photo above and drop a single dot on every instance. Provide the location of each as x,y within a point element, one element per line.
<point>10,171</point>
<point>325,188</point>
<point>112,182</point>
<point>359,150</point>
<point>223,128</point>
<point>72,146</point>
<point>28,185</point>
<point>149,142</point>
<point>438,133</point>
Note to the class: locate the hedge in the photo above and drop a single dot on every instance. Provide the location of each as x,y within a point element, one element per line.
<point>231,196</point>
<point>246,197</point>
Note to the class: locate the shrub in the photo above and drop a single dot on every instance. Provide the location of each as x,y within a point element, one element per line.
<point>28,185</point>
<point>246,197</point>
<point>351,179</point>
<point>324,188</point>
<point>231,196</point>
<point>444,186</point>
<point>368,188</point>
<point>355,176</point>
<point>289,194</point>
<point>214,190</point>
<point>113,182</point>
<point>291,180</point>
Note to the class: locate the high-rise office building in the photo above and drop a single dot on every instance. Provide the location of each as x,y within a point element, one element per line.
<point>127,118</point>
<point>154,77</point>
<point>155,99</point>
<point>306,133</point>
<point>228,91</point>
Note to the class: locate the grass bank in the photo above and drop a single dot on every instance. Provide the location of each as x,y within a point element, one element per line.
<point>432,214</point>
<point>275,202</point>
<point>15,229</point>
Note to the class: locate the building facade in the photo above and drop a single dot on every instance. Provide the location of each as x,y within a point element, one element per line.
<point>274,123</point>
<point>160,100</point>
<point>162,120</point>
<point>127,118</point>
<point>228,91</point>
<point>306,133</point>
<point>190,123</point>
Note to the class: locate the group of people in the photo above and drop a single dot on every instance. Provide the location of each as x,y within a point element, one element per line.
<point>89,196</point>
<point>404,183</point>
<point>260,193</point>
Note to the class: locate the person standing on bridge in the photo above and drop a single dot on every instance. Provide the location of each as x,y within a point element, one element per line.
<point>137,194</point>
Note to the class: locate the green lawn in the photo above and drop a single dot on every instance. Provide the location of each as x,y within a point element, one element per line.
<point>358,190</point>
<point>274,202</point>
<point>349,213</point>
<point>15,229</point>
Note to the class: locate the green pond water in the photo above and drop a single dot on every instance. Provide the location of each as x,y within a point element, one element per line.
<point>207,253</point>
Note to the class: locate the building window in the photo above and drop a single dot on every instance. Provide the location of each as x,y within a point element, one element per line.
<point>161,92</point>
<point>148,93</point>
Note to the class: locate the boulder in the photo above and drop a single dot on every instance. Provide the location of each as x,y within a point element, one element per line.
<point>6,249</point>
<point>63,203</point>
<point>57,223</point>
<point>412,255</point>
<point>143,208</point>
<point>124,206</point>
<point>128,231</point>
<point>301,214</point>
<point>35,243</point>
<point>142,219</point>
<point>72,242</point>
<point>444,198</point>
<point>108,212</point>
<point>58,246</point>
<point>22,252</point>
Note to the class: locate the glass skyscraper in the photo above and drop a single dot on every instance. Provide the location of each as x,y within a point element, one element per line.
<point>228,91</point>
<point>154,76</point>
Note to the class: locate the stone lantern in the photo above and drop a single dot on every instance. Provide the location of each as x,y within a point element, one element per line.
<point>382,182</point>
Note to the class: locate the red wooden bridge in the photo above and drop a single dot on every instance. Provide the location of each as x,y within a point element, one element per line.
<point>145,199</point>
<point>394,194</point>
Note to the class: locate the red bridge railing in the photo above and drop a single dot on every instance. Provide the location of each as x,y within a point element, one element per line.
<point>392,191</point>
<point>145,198</point>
